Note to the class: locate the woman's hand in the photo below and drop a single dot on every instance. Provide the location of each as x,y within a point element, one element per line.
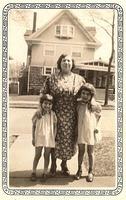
<point>96,131</point>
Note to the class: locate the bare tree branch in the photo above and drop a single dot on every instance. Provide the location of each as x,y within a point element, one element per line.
<point>110,62</point>
<point>112,51</point>
<point>20,16</point>
<point>100,25</point>
<point>100,18</point>
<point>106,21</point>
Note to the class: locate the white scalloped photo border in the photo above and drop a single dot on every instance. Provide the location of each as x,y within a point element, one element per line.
<point>59,192</point>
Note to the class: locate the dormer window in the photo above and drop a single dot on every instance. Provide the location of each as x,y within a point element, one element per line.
<point>64,31</point>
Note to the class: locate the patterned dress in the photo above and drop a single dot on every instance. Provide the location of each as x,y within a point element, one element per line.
<point>64,90</point>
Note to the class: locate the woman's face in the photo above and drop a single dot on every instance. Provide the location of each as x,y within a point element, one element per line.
<point>85,96</point>
<point>66,64</point>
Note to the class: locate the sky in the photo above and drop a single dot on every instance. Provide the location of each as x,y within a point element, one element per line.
<point>20,20</point>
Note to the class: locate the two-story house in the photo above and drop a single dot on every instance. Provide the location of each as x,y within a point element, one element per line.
<point>63,34</point>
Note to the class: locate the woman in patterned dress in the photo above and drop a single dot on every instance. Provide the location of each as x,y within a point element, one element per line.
<point>64,87</point>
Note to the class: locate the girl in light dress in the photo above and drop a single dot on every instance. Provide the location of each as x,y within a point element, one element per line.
<point>89,113</point>
<point>43,133</point>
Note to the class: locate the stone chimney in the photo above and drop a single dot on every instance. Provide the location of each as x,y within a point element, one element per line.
<point>34,22</point>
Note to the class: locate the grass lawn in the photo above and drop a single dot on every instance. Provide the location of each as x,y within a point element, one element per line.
<point>104,157</point>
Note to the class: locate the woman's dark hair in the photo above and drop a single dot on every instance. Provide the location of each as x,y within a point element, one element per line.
<point>60,59</point>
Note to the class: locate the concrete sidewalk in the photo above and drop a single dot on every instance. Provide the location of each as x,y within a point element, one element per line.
<point>23,104</point>
<point>21,156</point>
<point>34,104</point>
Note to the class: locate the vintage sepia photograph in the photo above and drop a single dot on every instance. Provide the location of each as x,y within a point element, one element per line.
<point>63,99</point>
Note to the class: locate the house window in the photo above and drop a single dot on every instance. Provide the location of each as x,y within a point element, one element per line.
<point>76,52</point>
<point>57,30</point>
<point>71,31</point>
<point>48,70</point>
<point>49,50</point>
<point>66,31</point>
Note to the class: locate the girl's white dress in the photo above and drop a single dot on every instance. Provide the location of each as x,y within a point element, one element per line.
<point>45,130</point>
<point>87,123</point>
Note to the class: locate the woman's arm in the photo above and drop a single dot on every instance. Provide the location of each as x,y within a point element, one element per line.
<point>55,123</point>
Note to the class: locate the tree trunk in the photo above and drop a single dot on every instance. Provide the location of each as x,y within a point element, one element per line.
<point>108,80</point>
<point>109,66</point>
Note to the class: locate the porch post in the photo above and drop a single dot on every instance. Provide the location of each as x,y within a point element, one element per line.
<point>94,78</point>
<point>113,81</point>
<point>28,79</point>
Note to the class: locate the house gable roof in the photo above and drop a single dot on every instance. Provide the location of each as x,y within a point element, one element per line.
<point>74,19</point>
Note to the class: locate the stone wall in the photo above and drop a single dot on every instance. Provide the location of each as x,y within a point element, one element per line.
<point>35,79</point>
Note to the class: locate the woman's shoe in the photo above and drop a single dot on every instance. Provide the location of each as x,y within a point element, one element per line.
<point>65,170</point>
<point>44,177</point>
<point>90,177</point>
<point>78,175</point>
<point>33,176</point>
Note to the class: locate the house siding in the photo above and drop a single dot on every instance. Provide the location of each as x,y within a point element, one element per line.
<point>39,58</point>
<point>88,54</point>
<point>49,34</point>
<point>37,54</point>
<point>61,45</point>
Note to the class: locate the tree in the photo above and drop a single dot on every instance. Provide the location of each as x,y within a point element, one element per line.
<point>21,16</point>
<point>110,63</point>
<point>112,25</point>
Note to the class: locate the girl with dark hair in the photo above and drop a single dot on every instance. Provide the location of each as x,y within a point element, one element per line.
<point>43,133</point>
<point>89,113</point>
<point>64,87</point>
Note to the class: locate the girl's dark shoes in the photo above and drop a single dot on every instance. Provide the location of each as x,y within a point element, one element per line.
<point>33,176</point>
<point>78,174</point>
<point>90,177</point>
<point>53,170</point>
<point>66,172</point>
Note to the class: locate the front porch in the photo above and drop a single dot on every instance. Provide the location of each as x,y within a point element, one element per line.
<point>95,72</point>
